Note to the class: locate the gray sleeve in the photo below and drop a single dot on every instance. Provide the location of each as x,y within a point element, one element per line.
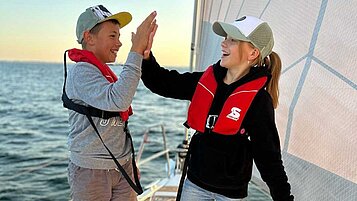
<point>86,83</point>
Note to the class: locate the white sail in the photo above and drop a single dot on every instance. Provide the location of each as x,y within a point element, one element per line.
<point>317,114</point>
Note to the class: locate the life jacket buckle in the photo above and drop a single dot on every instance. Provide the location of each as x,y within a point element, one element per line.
<point>211,121</point>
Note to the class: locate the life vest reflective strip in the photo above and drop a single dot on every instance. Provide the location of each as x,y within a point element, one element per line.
<point>78,55</point>
<point>234,109</point>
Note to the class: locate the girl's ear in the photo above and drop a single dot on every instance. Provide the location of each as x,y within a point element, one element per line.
<point>254,54</point>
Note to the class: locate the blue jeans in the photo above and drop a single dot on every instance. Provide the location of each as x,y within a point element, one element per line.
<point>192,192</point>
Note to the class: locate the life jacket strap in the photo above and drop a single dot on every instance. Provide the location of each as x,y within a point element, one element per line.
<point>184,170</point>
<point>135,186</point>
<point>81,109</point>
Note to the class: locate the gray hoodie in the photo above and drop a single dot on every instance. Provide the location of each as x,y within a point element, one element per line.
<point>86,85</point>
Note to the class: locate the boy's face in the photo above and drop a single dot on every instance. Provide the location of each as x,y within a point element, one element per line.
<point>106,42</point>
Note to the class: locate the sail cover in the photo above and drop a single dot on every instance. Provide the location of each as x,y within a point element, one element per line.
<point>317,114</point>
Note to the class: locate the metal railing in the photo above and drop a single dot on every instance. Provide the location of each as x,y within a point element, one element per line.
<point>165,152</point>
<point>156,155</point>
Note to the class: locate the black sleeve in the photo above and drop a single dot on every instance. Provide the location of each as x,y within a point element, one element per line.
<point>168,83</point>
<point>266,147</point>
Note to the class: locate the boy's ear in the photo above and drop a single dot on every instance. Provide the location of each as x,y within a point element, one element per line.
<point>88,38</point>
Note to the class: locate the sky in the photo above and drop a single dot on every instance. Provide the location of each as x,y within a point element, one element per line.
<point>41,30</point>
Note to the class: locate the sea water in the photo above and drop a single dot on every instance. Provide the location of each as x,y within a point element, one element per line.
<point>34,127</point>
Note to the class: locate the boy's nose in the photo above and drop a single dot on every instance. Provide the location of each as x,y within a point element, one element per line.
<point>119,43</point>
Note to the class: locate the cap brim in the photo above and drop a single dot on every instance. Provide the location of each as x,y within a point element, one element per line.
<point>123,18</point>
<point>225,29</point>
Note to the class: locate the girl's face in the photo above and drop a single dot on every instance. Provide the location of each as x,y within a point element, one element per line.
<point>235,54</point>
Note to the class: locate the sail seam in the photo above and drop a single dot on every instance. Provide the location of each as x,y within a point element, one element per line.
<point>304,73</point>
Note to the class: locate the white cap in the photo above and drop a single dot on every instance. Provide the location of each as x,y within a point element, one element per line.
<point>249,29</point>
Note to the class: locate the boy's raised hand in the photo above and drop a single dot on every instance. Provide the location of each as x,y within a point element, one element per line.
<point>141,38</point>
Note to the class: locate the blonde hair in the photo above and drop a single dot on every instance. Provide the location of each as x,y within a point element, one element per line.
<point>273,63</point>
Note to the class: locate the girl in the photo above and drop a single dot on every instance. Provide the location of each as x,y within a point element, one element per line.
<point>232,110</point>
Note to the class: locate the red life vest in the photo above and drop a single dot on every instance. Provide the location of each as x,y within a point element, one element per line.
<point>78,55</point>
<point>234,109</point>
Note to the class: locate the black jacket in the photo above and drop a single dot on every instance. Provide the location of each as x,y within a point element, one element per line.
<point>223,163</point>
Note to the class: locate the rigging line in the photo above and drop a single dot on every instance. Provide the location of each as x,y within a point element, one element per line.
<point>266,6</point>
<point>240,9</point>
<point>229,6</point>
<point>336,73</point>
<point>304,72</point>
<point>293,64</point>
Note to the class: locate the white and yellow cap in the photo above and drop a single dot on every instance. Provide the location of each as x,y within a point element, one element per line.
<point>249,29</point>
<point>98,14</point>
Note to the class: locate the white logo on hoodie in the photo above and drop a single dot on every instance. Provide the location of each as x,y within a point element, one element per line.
<point>104,122</point>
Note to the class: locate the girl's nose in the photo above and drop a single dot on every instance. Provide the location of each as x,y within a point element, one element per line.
<point>223,43</point>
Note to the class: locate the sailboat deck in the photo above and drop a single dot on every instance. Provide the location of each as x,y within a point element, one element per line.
<point>165,193</point>
<point>164,190</point>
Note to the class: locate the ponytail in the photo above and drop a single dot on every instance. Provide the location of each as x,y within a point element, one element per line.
<point>274,66</point>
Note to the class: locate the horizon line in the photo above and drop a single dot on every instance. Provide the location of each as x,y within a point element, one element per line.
<point>69,61</point>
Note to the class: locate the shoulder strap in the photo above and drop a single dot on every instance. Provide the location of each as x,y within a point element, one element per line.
<point>137,186</point>
<point>93,112</point>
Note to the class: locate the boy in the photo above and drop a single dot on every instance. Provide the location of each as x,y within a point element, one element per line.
<point>99,104</point>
